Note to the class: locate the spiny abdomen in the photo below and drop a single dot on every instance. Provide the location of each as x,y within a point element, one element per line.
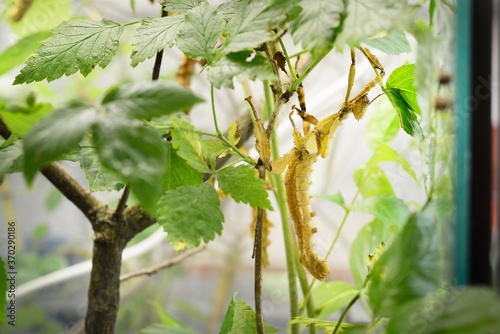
<point>297,182</point>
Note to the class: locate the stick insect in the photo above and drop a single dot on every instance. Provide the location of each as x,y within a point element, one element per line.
<point>300,160</point>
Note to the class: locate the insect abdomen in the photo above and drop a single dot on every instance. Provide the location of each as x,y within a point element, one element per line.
<point>297,181</point>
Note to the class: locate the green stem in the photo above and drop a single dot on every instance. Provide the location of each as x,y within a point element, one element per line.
<point>219,135</point>
<point>290,67</point>
<point>344,313</point>
<point>279,191</point>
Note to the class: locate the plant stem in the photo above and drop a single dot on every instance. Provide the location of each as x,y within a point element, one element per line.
<point>290,67</point>
<point>219,135</point>
<point>258,261</point>
<point>279,191</point>
<point>344,313</point>
<point>122,204</point>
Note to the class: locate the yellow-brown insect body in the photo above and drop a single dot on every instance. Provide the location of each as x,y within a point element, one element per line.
<point>297,182</point>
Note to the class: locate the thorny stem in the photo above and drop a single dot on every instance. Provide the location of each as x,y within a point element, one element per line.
<point>258,261</point>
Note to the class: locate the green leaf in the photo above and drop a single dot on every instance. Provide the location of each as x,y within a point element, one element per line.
<point>372,181</point>
<point>154,34</point>
<point>135,153</point>
<point>77,45</point>
<point>240,65</point>
<point>20,119</point>
<point>385,153</point>
<point>197,37</point>
<point>365,243</point>
<point>401,91</point>
<point>240,319</point>
<point>375,17</point>
<point>335,198</point>
<point>181,6</point>
<point>253,21</point>
<point>53,199</point>
<point>233,134</point>
<point>410,268</point>
<point>190,214</point>
<point>243,185</point>
<point>187,141</point>
<point>214,149</point>
<point>55,135</point>
<point>315,25</point>
<point>393,42</point>
<point>178,172</point>
<point>388,209</point>
<point>11,159</point>
<point>149,99</point>
<point>382,127</point>
<point>17,53</point>
<point>3,292</point>
<point>330,297</point>
<point>449,311</point>
<point>98,177</point>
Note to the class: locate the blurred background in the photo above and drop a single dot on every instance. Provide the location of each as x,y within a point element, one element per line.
<point>54,239</point>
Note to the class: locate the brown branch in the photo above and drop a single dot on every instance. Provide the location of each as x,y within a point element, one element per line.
<point>66,184</point>
<point>162,265</point>
<point>122,204</point>
<point>258,261</point>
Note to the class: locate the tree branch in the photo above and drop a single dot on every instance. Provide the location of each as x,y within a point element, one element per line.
<point>162,265</point>
<point>66,184</point>
<point>122,204</point>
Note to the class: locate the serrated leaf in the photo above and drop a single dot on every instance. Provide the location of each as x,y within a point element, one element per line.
<point>17,53</point>
<point>149,99</point>
<point>213,149</point>
<point>366,242</point>
<point>449,310</point>
<point>20,119</point>
<point>382,127</point>
<point>187,141</point>
<point>240,319</point>
<point>55,135</point>
<point>154,35</point>
<point>202,28</point>
<point>77,45</point>
<point>181,6</point>
<point>388,209</point>
<point>98,177</point>
<point>135,153</point>
<point>401,91</point>
<point>190,214</point>
<point>409,268</point>
<point>3,291</point>
<point>330,297</point>
<point>233,135</point>
<point>243,185</point>
<point>315,25</point>
<point>372,181</point>
<point>252,22</point>
<point>178,172</point>
<point>240,65</point>
<point>11,159</point>
<point>393,42</point>
<point>364,19</point>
